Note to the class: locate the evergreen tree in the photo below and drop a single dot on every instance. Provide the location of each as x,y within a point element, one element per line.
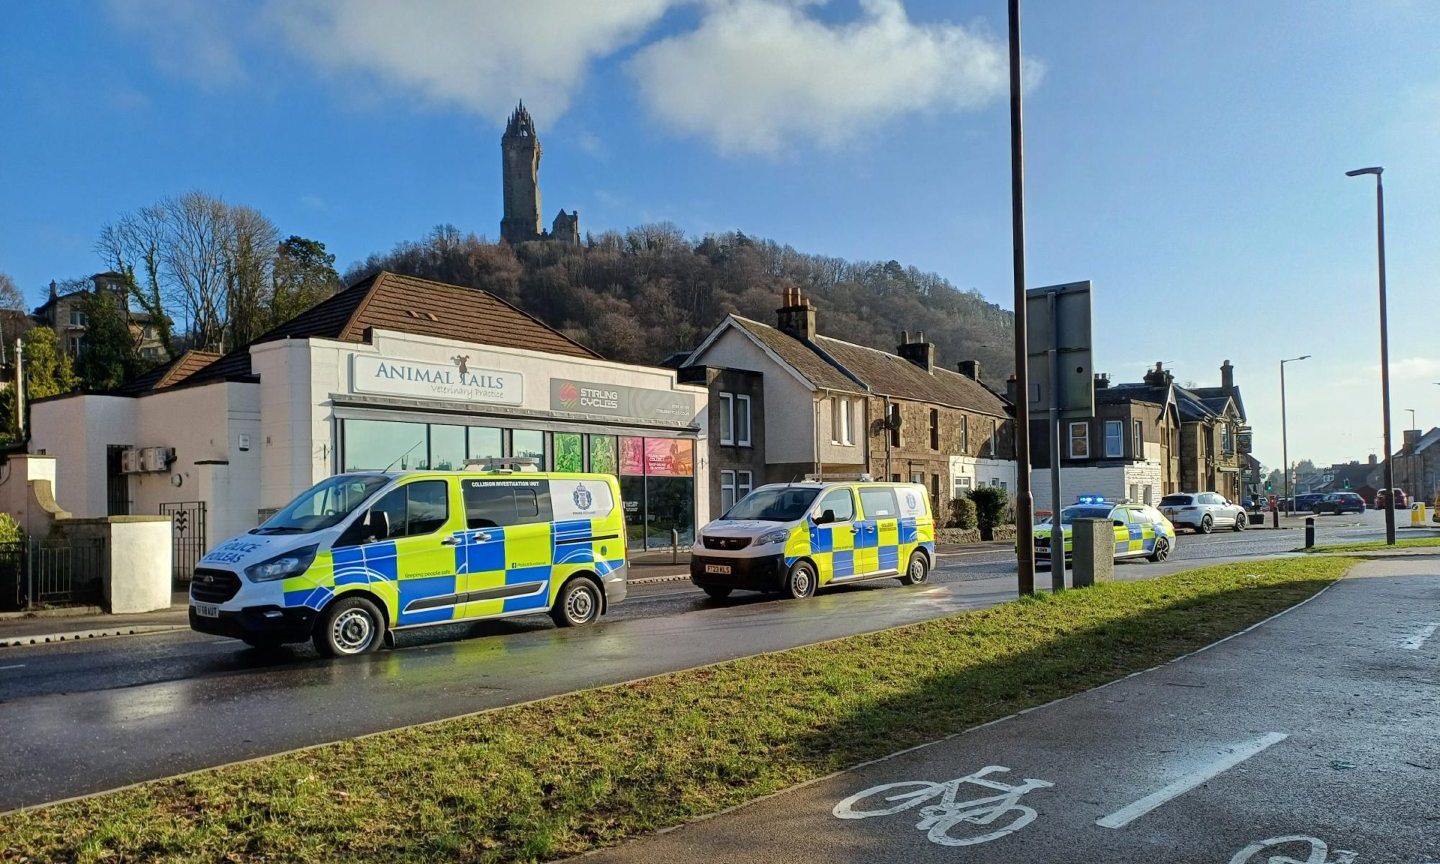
<point>303,274</point>
<point>107,355</point>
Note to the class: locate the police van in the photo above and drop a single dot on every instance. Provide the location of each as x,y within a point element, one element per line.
<point>1141,531</point>
<point>795,538</point>
<point>361,555</point>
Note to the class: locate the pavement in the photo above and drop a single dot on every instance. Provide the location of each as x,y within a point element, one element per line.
<point>1313,737</point>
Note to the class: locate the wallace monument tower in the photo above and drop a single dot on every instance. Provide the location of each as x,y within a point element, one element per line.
<point>520,162</point>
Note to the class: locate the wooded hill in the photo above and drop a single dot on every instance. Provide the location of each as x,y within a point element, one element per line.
<point>645,294</point>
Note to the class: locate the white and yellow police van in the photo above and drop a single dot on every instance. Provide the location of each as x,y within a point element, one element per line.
<point>361,555</point>
<point>795,538</point>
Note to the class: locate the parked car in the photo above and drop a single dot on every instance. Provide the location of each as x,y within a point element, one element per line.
<point>1339,502</point>
<point>1382,499</point>
<point>1302,503</point>
<point>1203,511</point>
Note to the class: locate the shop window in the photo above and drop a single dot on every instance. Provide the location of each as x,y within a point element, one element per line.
<point>383,445</point>
<point>632,456</point>
<point>669,457</point>
<point>569,451</point>
<point>490,504</point>
<point>528,444</point>
<point>669,506</point>
<point>603,458</point>
<point>727,491</point>
<point>486,442</point>
<point>447,448</point>
<point>742,421</point>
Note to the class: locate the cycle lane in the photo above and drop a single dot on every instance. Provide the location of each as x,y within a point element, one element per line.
<point>1322,723</point>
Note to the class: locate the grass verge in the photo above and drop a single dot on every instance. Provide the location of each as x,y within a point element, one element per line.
<point>553,778</point>
<point>1373,545</point>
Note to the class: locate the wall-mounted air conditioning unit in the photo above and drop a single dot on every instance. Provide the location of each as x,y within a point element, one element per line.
<point>155,459</point>
<point>130,461</point>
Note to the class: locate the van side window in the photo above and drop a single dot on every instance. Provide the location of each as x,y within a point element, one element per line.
<point>422,507</point>
<point>879,503</point>
<point>498,503</point>
<point>840,501</point>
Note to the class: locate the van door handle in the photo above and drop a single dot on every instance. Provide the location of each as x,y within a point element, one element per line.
<point>452,540</point>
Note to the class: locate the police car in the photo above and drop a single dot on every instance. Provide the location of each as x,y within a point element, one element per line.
<point>793,538</point>
<point>361,555</point>
<point>1141,531</point>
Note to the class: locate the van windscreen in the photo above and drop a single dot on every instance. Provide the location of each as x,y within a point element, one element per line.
<point>773,504</point>
<point>324,505</point>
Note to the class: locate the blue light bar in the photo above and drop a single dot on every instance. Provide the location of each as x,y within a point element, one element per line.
<point>1091,499</point>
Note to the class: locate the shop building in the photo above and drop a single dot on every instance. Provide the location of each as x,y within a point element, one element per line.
<point>394,373</point>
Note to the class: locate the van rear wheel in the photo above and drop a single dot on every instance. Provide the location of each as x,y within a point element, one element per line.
<point>350,625</point>
<point>917,571</point>
<point>579,603</point>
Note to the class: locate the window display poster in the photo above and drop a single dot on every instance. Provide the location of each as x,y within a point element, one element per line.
<point>568,455</point>
<point>632,456</point>
<point>602,454</point>
<point>669,457</point>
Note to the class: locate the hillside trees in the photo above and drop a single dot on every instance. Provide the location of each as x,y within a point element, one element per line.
<point>645,293</point>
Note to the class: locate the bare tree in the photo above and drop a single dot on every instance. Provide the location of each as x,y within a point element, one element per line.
<point>132,245</point>
<point>250,244</point>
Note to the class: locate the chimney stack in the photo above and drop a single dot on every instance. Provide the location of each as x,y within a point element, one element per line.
<point>970,369</point>
<point>1373,459</point>
<point>1227,377</point>
<point>1102,380</point>
<point>796,317</point>
<point>1412,437</point>
<point>917,350</point>
<point>1159,376</point>
<point>1012,389</point>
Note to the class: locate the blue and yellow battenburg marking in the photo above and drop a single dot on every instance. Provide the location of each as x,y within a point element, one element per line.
<point>861,546</point>
<point>487,572</point>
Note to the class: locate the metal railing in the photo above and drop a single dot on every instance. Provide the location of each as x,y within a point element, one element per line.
<point>51,571</point>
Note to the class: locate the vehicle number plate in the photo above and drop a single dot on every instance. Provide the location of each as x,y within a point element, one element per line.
<point>722,569</point>
<point>206,610</point>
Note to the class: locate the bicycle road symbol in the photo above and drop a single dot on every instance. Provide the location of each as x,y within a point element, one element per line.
<point>1318,852</point>
<point>1004,812</point>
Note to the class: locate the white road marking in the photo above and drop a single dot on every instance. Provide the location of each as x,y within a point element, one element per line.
<point>15,666</point>
<point>1125,815</point>
<point>1319,851</point>
<point>1415,641</point>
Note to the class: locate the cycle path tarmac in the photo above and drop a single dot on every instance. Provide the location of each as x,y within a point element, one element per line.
<point>1321,725</point>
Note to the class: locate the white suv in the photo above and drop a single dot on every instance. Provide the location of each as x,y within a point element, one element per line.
<point>1203,512</point>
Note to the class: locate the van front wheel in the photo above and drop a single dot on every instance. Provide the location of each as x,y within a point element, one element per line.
<point>578,603</point>
<point>350,625</point>
<point>801,581</point>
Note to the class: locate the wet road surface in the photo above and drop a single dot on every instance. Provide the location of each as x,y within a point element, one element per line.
<point>89,716</point>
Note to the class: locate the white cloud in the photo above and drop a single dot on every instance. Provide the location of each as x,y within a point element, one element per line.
<point>759,75</point>
<point>194,40</point>
<point>480,55</point>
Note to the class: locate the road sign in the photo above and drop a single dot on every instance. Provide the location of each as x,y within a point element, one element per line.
<point>1058,317</point>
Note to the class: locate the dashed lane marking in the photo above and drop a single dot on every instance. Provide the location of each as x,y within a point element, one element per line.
<point>1125,815</point>
<point>12,666</point>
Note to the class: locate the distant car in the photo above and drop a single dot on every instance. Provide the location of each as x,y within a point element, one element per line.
<point>1203,512</point>
<point>1339,502</point>
<point>1141,531</point>
<point>1302,503</point>
<point>1382,499</point>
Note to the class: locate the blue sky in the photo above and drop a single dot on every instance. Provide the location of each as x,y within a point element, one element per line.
<point>1188,158</point>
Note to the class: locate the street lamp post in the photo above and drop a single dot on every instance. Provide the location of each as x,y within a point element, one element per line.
<point>1384,352</point>
<point>1285,431</point>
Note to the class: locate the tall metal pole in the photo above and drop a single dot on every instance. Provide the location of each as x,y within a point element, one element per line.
<point>1024,500</point>
<point>1285,440</point>
<point>1385,367</point>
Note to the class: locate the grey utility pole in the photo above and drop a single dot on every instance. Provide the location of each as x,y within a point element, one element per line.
<point>1024,499</point>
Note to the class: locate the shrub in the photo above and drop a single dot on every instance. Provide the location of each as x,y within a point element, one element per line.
<point>990,503</point>
<point>962,513</point>
<point>10,531</point>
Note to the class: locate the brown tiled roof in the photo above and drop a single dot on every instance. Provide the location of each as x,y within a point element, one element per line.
<point>800,357</point>
<point>168,374</point>
<point>889,375</point>
<point>389,301</point>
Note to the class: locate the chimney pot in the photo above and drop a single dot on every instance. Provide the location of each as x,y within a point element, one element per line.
<point>918,351</point>
<point>969,368</point>
<point>796,317</point>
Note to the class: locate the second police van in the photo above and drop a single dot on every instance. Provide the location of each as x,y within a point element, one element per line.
<point>361,555</point>
<point>795,538</point>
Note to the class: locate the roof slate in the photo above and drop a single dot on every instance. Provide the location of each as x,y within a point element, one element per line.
<point>406,304</point>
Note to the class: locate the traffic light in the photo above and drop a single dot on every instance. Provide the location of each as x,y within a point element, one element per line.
<point>1269,487</point>
<point>1347,482</point>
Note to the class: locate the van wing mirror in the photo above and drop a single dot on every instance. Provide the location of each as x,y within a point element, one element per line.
<point>825,518</point>
<point>377,524</point>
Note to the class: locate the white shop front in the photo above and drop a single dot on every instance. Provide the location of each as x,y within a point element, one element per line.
<point>242,445</point>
